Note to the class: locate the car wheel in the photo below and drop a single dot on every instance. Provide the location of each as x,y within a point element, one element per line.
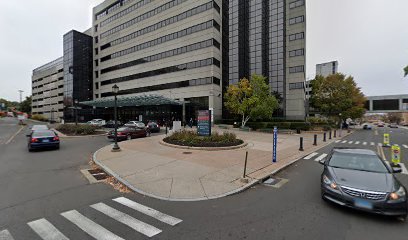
<point>129,137</point>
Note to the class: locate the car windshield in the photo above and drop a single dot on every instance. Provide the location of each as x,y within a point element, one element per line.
<point>44,134</point>
<point>360,162</point>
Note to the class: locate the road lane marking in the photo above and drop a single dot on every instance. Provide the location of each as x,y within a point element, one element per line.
<point>46,230</point>
<point>321,157</point>
<point>310,155</point>
<point>403,168</point>
<point>357,142</point>
<point>148,211</point>
<point>130,221</point>
<point>350,142</point>
<point>5,235</point>
<point>344,141</point>
<point>337,141</point>
<point>405,146</point>
<point>364,143</point>
<point>14,135</point>
<point>372,143</point>
<point>93,229</point>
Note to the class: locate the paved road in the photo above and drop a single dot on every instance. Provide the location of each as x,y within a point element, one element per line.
<point>43,194</point>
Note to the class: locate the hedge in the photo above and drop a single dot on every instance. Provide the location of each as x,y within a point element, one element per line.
<point>39,117</point>
<point>281,125</point>
<point>80,129</point>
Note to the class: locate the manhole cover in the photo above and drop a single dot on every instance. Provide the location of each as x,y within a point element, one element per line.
<point>98,174</point>
<point>275,182</point>
<point>187,152</point>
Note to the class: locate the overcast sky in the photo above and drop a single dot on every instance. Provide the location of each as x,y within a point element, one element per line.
<point>369,38</point>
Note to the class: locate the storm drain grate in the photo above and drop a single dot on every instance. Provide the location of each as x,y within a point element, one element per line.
<point>98,174</point>
<point>275,182</point>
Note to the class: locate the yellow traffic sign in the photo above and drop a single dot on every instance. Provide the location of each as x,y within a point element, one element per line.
<point>396,154</point>
<point>386,139</point>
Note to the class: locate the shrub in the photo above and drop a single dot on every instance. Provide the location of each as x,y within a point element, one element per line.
<point>80,129</point>
<point>280,125</point>
<point>190,138</point>
<point>39,117</point>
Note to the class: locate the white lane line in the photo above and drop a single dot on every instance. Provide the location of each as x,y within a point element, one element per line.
<point>403,168</point>
<point>337,141</point>
<point>358,142</point>
<point>372,143</point>
<point>90,227</point>
<point>364,143</point>
<point>148,211</point>
<point>405,146</point>
<point>5,235</point>
<point>350,142</point>
<point>46,230</point>
<point>320,157</point>
<point>310,155</point>
<point>14,135</point>
<point>130,221</point>
<point>344,141</point>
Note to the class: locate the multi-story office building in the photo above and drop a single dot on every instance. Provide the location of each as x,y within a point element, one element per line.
<point>267,37</point>
<point>167,48</point>
<point>48,90</point>
<point>326,69</point>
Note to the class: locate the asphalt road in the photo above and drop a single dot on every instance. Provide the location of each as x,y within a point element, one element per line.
<point>42,185</point>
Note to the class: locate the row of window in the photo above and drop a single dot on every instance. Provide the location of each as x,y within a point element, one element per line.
<point>297,69</point>
<point>296,20</point>
<point>166,38</point>
<point>158,25</point>
<point>166,54</point>
<point>297,52</point>
<point>298,85</point>
<point>40,79</point>
<point>112,8</point>
<point>296,4</point>
<point>296,36</point>
<point>171,69</point>
<point>125,12</point>
<point>188,83</point>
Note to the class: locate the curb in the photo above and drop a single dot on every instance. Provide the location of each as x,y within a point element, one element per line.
<point>203,148</point>
<point>236,191</point>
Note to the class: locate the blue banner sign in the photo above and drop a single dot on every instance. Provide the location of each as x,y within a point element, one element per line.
<point>204,122</point>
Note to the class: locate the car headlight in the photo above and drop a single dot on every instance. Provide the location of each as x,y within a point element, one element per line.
<point>398,194</point>
<point>329,182</point>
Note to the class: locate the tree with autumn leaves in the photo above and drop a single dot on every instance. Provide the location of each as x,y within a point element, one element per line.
<point>337,94</point>
<point>251,99</point>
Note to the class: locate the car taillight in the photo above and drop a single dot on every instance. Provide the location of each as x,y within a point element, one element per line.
<point>56,139</point>
<point>34,140</point>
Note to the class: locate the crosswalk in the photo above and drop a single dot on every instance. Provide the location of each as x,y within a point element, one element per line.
<point>366,143</point>
<point>47,231</point>
<point>315,156</point>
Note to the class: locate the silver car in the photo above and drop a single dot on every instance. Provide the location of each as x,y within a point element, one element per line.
<point>135,124</point>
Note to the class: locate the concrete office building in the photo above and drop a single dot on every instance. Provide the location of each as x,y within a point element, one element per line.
<point>48,90</point>
<point>326,69</point>
<point>267,37</point>
<point>166,48</point>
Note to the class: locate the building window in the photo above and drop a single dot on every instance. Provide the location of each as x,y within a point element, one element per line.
<point>96,95</point>
<point>97,85</point>
<point>297,69</point>
<point>96,74</point>
<point>296,36</point>
<point>296,4</point>
<point>296,20</point>
<point>96,39</point>
<point>298,52</point>
<point>298,85</point>
<point>96,51</point>
<point>96,62</point>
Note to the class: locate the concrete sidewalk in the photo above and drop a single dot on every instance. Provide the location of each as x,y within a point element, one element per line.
<point>169,173</point>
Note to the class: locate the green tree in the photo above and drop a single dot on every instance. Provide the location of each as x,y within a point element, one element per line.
<point>406,71</point>
<point>394,117</point>
<point>337,94</point>
<point>8,104</point>
<point>251,99</point>
<point>25,106</point>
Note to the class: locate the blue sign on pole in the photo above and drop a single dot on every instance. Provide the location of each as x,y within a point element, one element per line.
<point>275,142</point>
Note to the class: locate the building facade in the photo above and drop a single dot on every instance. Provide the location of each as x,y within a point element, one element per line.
<point>168,48</point>
<point>48,90</point>
<point>326,69</point>
<point>267,37</point>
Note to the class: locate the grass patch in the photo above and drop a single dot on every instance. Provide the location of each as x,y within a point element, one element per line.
<point>191,139</point>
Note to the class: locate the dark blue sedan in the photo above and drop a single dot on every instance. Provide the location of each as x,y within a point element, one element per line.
<point>43,139</point>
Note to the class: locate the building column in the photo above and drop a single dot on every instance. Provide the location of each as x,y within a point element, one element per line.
<point>370,103</point>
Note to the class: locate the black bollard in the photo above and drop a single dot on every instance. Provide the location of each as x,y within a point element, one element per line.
<point>324,137</point>
<point>315,140</point>
<point>246,159</point>
<point>330,135</point>
<point>335,132</point>
<point>301,144</point>
<point>166,129</point>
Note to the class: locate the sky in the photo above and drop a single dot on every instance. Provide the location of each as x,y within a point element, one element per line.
<point>369,38</point>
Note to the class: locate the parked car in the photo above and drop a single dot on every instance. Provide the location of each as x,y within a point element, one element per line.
<point>380,124</point>
<point>97,122</point>
<point>367,126</point>
<point>127,133</point>
<point>136,124</point>
<point>393,125</point>
<point>43,139</point>
<point>153,127</point>
<point>360,179</point>
<point>111,124</point>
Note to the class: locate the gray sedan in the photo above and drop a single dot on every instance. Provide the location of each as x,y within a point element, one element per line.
<point>359,179</point>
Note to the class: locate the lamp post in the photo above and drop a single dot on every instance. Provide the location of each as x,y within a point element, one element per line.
<point>115,90</point>
<point>341,127</point>
<point>76,111</point>
<point>52,115</point>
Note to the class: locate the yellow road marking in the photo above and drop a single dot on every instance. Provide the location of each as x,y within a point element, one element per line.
<point>14,135</point>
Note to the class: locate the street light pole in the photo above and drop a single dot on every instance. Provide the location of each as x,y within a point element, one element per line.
<point>341,125</point>
<point>115,90</point>
<point>76,111</point>
<point>52,115</point>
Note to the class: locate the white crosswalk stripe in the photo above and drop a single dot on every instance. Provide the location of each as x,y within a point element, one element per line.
<point>344,141</point>
<point>372,143</point>
<point>364,143</point>
<point>403,168</point>
<point>89,226</point>
<point>148,211</point>
<point>321,157</point>
<point>350,142</point>
<point>405,146</point>
<point>5,235</point>
<point>130,221</point>
<point>310,155</point>
<point>46,230</point>
<point>357,142</point>
<point>338,141</point>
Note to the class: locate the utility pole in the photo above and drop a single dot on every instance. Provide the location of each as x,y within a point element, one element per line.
<point>21,95</point>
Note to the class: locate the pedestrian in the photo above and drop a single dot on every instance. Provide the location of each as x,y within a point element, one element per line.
<point>191,123</point>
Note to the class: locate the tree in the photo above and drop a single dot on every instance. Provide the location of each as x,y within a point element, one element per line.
<point>337,94</point>
<point>406,71</point>
<point>394,117</point>
<point>251,99</point>
<point>8,104</point>
<point>25,106</point>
